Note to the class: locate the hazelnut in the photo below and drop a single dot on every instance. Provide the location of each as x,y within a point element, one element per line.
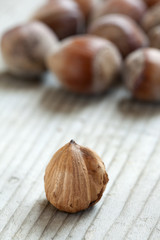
<point>151,2</point>
<point>154,37</point>
<point>25,47</point>
<point>86,6</point>
<point>63,17</point>
<point>75,178</point>
<point>151,18</point>
<point>134,9</point>
<point>121,30</point>
<point>142,72</point>
<point>85,64</point>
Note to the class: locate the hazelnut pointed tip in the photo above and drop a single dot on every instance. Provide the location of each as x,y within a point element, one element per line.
<point>72,141</point>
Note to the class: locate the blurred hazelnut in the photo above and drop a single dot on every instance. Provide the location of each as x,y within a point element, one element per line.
<point>86,6</point>
<point>151,18</point>
<point>25,47</point>
<point>63,17</point>
<point>142,74</point>
<point>121,30</point>
<point>134,9</point>
<point>151,2</point>
<point>154,37</point>
<point>86,64</point>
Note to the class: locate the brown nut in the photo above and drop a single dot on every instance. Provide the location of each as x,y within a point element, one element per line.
<point>150,3</point>
<point>86,6</point>
<point>142,74</point>
<point>151,18</point>
<point>154,37</point>
<point>134,9</point>
<point>75,178</point>
<point>121,30</point>
<point>24,48</point>
<point>63,17</point>
<point>86,64</point>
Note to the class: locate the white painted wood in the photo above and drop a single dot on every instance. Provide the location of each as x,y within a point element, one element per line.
<point>36,118</point>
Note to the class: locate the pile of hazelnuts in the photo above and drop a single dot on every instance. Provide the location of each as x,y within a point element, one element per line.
<point>114,39</point>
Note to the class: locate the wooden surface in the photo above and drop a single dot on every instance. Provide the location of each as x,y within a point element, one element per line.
<point>38,117</point>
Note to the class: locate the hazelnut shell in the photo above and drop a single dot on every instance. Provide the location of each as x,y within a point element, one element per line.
<point>154,37</point>
<point>150,3</point>
<point>75,178</point>
<point>25,47</point>
<point>121,30</point>
<point>135,9</point>
<point>151,18</point>
<point>86,64</point>
<point>86,7</point>
<point>141,74</point>
<point>63,17</point>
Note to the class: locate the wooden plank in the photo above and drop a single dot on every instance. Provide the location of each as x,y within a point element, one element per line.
<point>38,117</point>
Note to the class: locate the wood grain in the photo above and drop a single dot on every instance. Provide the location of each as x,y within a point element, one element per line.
<point>37,118</point>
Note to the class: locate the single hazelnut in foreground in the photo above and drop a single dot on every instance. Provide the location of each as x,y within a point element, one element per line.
<point>151,2</point>
<point>24,48</point>
<point>151,18</point>
<point>86,64</point>
<point>75,178</point>
<point>142,74</point>
<point>121,30</point>
<point>134,9</point>
<point>63,17</point>
<point>154,37</point>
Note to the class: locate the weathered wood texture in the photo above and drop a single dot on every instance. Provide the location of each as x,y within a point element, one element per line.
<point>38,117</point>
